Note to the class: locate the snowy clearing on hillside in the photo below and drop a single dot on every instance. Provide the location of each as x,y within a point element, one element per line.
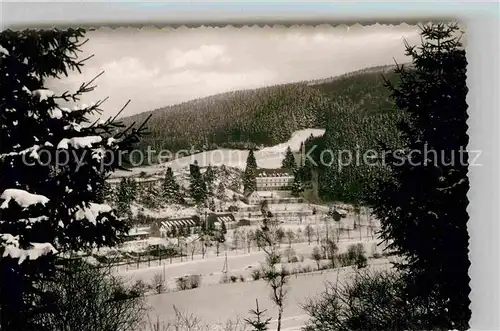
<point>298,137</point>
<point>269,157</point>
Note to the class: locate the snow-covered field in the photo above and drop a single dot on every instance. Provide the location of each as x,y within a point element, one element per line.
<point>239,263</point>
<point>214,302</point>
<point>220,302</point>
<point>269,157</point>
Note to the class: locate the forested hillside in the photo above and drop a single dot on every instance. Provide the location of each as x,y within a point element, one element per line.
<point>354,109</point>
<point>264,116</point>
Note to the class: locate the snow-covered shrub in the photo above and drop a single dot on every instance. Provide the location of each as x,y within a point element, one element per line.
<point>356,255</point>
<point>139,288</point>
<point>361,262</point>
<point>306,269</point>
<point>194,281</point>
<point>182,283</point>
<point>256,274</point>
<point>224,279</point>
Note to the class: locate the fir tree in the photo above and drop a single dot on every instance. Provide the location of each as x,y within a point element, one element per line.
<point>170,188</point>
<point>221,192</point>
<point>126,194</point>
<point>212,206</point>
<point>297,187</point>
<point>49,207</point>
<point>223,229</point>
<point>220,236</point>
<point>289,160</point>
<point>251,161</point>
<point>198,187</point>
<point>150,196</point>
<point>423,206</point>
<point>249,182</point>
<point>209,177</point>
<point>258,323</point>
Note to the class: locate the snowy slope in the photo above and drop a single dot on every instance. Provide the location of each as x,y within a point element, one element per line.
<point>269,157</point>
<point>294,142</point>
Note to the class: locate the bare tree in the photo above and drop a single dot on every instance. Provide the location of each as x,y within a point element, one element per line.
<point>290,236</point>
<point>159,283</point>
<point>316,256</point>
<point>276,276</point>
<point>309,232</point>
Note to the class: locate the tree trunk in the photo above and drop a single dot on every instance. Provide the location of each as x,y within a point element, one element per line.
<point>280,314</point>
<point>11,297</point>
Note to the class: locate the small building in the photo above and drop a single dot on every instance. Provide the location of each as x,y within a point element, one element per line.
<point>141,181</point>
<point>337,213</point>
<point>215,220</point>
<point>137,234</point>
<point>256,197</point>
<point>253,198</point>
<point>274,179</point>
<point>171,225</point>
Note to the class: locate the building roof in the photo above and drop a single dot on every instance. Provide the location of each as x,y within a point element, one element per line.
<point>144,231</point>
<point>225,217</point>
<point>253,193</point>
<point>273,173</point>
<point>180,222</point>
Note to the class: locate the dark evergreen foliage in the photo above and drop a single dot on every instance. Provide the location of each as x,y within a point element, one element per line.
<point>249,182</point>
<point>297,187</point>
<point>150,195</point>
<point>171,190</point>
<point>198,187</point>
<point>345,169</point>
<point>289,160</point>
<point>221,192</point>
<point>422,206</point>
<point>209,177</point>
<point>265,116</point>
<point>32,120</point>
<point>125,195</point>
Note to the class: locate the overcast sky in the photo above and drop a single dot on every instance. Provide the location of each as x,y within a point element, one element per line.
<point>160,67</point>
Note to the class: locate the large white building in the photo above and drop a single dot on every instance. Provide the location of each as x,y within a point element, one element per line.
<point>274,179</point>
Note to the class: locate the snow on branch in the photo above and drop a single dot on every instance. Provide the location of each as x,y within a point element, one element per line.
<point>43,94</point>
<point>11,248</point>
<point>460,182</point>
<point>55,113</point>
<point>92,212</point>
<point>22,198</point>
<point>79,142</point>
<point>32,150</point>
<point>4,51</point>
